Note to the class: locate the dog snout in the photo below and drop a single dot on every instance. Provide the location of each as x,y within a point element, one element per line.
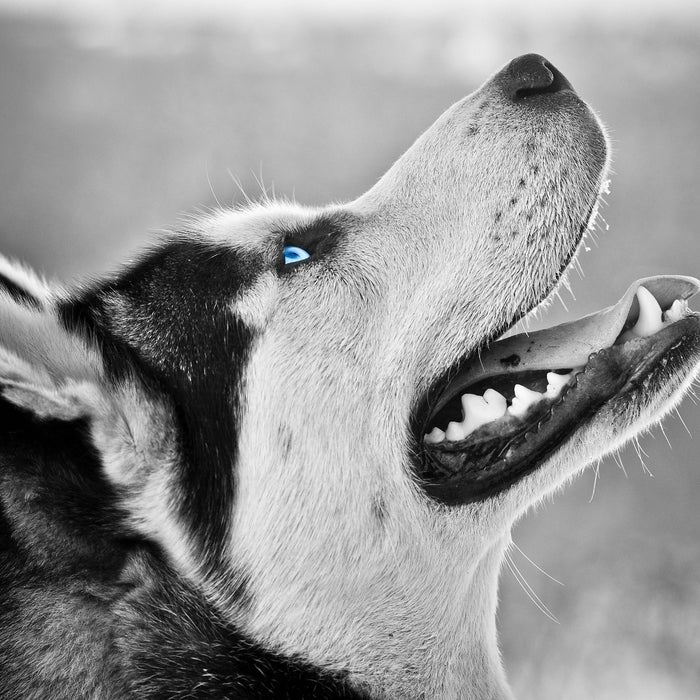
<point>531,75</point>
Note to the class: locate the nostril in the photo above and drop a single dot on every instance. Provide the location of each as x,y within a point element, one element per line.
<point>532,74</point>
<point>559,81</point>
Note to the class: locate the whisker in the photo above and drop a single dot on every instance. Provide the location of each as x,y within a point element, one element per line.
<point>558,295</point>
<point>644,452</point>
<point>680,417</point>
<point>640,451</point>
<point>540,569</point>
<point>567,284</point>
<point>596,476</point>
<point>265,197</point>
<point>239,185</point>
<point>211,187</point>
<point>618,460</point>
<point>528,589</point>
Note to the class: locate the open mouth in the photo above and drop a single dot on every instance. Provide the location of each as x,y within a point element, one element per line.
<point>501,412</point>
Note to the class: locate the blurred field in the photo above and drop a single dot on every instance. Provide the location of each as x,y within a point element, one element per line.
<point>108,132</point>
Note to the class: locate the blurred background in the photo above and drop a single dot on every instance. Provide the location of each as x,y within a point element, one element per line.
<point>115,118</point>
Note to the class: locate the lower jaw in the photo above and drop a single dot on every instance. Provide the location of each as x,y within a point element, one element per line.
<point>473,470</point>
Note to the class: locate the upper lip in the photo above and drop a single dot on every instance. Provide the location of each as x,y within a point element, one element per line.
<point>568,344</point>
<point>621,353</point>
<point>629,372</point>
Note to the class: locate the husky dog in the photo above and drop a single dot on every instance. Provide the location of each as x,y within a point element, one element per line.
<point>279,456</point>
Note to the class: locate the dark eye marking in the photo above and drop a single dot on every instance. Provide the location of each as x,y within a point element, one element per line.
<point>310,243</point>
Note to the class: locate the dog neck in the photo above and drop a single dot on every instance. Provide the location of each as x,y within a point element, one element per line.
<point>371,581</point>
<point>409,629</point>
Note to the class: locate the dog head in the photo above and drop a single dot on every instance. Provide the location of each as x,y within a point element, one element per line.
<point>278,425</point>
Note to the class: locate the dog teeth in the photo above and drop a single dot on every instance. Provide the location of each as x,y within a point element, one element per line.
<point>496,401</point>
<point>435,435</point>
<point>455,431</point>
<point>479,410</point>
<point>649,321</point>
<point>555,384</point>
<point>523,399</point>
<point>679,309</point>
<point>476,411</point>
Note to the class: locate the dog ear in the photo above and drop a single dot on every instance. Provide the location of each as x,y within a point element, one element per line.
<point>23,284</point>
<point>52,373</point>
<point>43,369</point>
<point>56,374</point>
<point>55,370</point>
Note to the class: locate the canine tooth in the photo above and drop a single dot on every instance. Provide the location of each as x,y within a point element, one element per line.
<point>678,310</point>
<point>649,321</point>
<point>435,435</point>
<point>555,383</point>
<point>455,431</point>
<point>524,398</point>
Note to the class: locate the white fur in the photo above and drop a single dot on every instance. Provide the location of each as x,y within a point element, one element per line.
<point>408,604</point>
<point>25,278</point>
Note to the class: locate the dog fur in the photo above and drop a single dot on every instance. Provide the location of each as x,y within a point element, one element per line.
<point>205,474</point>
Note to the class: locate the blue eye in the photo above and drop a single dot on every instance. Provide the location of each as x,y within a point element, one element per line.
<point>293,254</point>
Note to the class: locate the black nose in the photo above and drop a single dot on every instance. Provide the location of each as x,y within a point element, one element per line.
<point>529,75</point>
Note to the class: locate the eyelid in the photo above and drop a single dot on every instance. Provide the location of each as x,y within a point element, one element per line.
<point>294,254</point>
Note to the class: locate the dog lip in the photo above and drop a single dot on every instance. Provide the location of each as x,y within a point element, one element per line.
<point>483,466</point>
<point>568,344</point>
<point>425,408</point>
<point>498,454</point>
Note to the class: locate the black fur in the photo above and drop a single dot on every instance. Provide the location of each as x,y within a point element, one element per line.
<point>180,648</point>
<point>320,238</point>
<point>135,630</point>
<point>176,332</point>
<point>62,553</point>
<point>88,609</point>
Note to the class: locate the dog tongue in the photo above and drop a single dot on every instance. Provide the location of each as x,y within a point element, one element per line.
<point>570,344</point>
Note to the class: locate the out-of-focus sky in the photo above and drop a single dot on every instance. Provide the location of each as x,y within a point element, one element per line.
<point>363,9</point>
<point>109,23</point>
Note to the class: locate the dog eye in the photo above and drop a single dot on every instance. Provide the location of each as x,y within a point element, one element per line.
<point>294,254</point>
